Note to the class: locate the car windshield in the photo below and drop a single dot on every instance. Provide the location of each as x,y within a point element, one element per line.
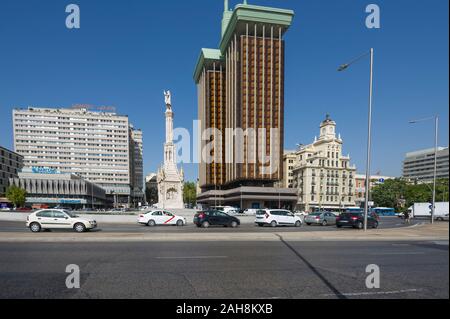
<point>71,215</point>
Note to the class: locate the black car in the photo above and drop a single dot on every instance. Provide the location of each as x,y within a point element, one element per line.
<point>356,220</point>
<point>215,218</point>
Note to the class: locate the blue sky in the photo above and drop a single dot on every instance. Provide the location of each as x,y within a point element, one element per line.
<point>127,52</point>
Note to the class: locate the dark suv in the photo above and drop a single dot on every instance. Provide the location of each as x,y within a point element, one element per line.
<point>215,218</point>
<point>356,220</point>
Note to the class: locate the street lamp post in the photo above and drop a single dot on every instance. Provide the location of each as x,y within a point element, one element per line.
<point>241,196</point>
<point>369,129</point>
<point>436,128</point>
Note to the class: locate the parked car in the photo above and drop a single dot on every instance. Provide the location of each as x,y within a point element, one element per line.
<point>321,218</point>
<point>277,217</point>
<point>215,218</point>
<point>58,219</point>
<point>250,211</point>
<point>161,217</point>
<point>226,209</point>
<point>300,213</point>
<point>233,212</point>
<point>356,220</point>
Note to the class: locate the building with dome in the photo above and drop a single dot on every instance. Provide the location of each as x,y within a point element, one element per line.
<point>324,178</point>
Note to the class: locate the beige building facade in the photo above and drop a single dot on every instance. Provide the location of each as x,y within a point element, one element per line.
<point>324,178</point>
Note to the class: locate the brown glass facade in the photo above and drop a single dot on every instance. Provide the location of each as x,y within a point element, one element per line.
<point>241,89</point>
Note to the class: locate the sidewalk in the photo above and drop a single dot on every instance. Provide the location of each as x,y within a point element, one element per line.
<point>437,232</point>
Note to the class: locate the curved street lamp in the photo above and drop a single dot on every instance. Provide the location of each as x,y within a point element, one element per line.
<point>369,135</point>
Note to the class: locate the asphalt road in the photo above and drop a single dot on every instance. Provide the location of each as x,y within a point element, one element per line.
<point>250,269</point>
<point>385,222</point>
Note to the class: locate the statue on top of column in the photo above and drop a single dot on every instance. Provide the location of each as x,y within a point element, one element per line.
<point>168,99</point>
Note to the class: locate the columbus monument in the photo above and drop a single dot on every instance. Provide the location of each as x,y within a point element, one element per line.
<point>170,179</point>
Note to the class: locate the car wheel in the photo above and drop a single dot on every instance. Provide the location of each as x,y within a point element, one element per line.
<point>35,227</point>
<point>151,223</point>
<point>79,228</point>
<point>205,224</point>
<point>309,224</point>
<point>180,222</point>
<point>360,225</point>
<point>375,225</point>
<point>440,219</point>
<point>234,224</point>
<point>339,226</point>
<point>273,223</point>
<point>324,223</point>
<point>298,223</point>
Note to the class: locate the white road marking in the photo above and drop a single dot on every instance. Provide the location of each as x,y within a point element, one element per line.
<point>371,293</point>
<point>441,243</point>
<point>192,257</point>
<point>401,253</point>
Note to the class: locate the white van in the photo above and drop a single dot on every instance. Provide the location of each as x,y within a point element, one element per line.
<point>277,217</point>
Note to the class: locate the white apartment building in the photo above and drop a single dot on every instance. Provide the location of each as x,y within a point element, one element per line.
<point>419,165</point>
<point>323,176</point>
<point>289,162</point>
<point>93,145</point>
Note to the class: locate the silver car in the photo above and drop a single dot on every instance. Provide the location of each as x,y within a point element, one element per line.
<point>322,218</point>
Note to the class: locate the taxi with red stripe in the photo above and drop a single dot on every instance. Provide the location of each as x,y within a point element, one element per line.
<point>160,217</point>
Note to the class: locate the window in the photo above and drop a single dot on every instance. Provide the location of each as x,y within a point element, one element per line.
<point>57,214</point>
<point>157,214</point>
<point>45,213</point>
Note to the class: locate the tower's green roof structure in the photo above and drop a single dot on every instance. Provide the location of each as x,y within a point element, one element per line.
<point>235,21</point>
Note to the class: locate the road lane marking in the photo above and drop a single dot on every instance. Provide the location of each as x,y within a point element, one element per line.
<point>441,243</point>
<point>191,257</point>
<point>400,253</point>
<point>371,293</point>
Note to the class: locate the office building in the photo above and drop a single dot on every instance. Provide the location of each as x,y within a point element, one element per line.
<point>10,164</point>
<point>324,178</point>
<point>137,166</point>
<point>418,166</point>
<point>90,144</point>
<point>47,187</point>
<point>241,101</point>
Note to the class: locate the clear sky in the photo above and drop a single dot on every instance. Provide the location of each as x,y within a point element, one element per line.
<point>127,52</point>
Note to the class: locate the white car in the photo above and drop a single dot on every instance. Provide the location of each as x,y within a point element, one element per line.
<point>251,211</point>
<point>161,217</point>
<point>58,219</point>
<point>277,217</point>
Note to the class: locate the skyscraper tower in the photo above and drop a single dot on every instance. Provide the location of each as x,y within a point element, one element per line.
<point>241,86</point>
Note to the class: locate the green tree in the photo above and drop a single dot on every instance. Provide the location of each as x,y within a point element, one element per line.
<point>390,194</point>
<point>151,194</point>
<point>397,193</point>
<point>16,195</point>
<point>190,193</point>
